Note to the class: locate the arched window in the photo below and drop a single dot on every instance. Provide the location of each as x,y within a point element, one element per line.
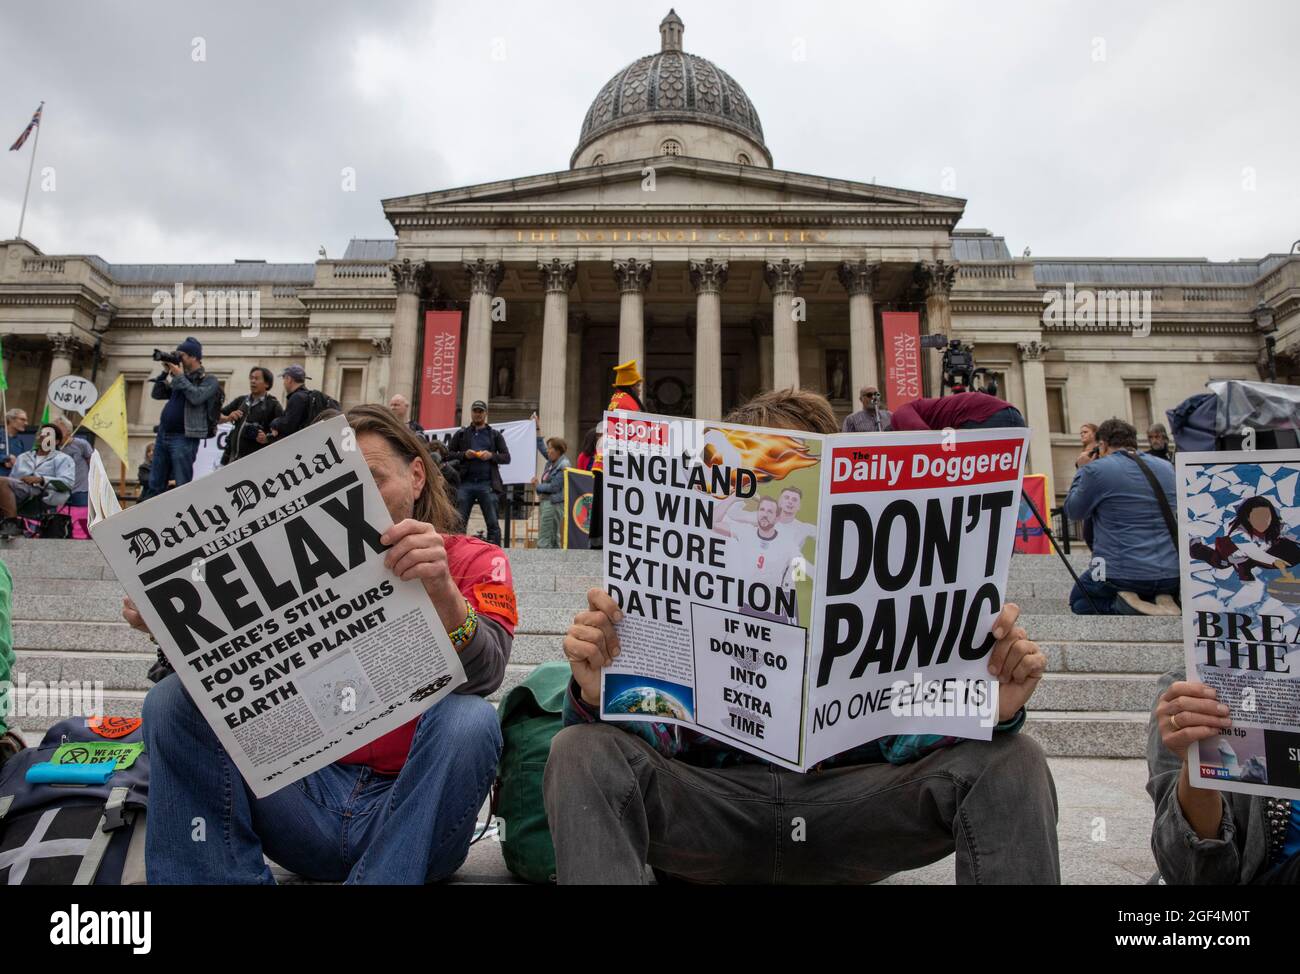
<point>599,159</point>
<point>743,159</point>
<point>671,147</point>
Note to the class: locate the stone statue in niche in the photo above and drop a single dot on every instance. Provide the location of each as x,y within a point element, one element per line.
<point>837,374</point>
<point>503,374</point>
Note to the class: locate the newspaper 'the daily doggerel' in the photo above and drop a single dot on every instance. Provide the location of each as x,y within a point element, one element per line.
<point>797,595</point>
<point>265,585</point>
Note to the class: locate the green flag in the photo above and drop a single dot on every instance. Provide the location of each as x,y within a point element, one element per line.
<point>4,383</point>
<point>45,416</point>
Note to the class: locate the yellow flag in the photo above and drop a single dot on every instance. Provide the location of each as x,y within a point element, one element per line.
<point>107,418</point>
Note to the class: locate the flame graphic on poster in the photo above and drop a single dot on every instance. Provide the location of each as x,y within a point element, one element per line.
<point>770,455</point>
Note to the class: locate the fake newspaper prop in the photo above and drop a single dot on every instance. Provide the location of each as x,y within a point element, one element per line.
<point>797,595</point>
<point>1239,515</point>
<point>265,585</point>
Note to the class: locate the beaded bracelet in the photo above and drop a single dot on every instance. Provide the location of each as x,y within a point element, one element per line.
<point>463,633</point>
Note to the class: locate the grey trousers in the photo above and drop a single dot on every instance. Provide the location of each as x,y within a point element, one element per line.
<point>616,804</point>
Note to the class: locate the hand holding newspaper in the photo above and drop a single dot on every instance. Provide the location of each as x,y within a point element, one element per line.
<point>264,583</point>
<point>796,595</point>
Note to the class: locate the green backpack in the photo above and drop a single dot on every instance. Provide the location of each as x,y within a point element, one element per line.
<point>530,714</point>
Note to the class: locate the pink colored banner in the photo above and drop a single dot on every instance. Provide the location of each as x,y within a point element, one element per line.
<point>438,377</point>
<point>902,333</point>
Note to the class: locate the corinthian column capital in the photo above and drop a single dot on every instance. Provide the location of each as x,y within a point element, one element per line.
<point>1033,351</point>
<point>934,278</point>
<point>632,274</point>
<point>783,277</point>
<point>485,276</point>
<point>708,276</point>
<point>557,275</point>
<point>409,276</point>
<point>859,277</point>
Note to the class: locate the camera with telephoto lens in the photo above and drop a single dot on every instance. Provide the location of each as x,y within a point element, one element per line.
<point>171,358</point>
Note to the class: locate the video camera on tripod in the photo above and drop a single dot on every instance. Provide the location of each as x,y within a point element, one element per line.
<point>959,369</point>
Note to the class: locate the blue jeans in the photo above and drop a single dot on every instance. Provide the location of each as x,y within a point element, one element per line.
<point>173,459</point>
<point>467,494</point>
<point>1106,594</point>
<point>344,822</point>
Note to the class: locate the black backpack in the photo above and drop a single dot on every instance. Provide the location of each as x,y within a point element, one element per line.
<point>317,403</point>
<point>76,835</point>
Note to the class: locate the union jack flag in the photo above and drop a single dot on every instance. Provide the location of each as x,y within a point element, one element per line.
<point>36,120</point>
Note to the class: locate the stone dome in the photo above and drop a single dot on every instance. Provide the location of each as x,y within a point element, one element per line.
<point>673,87</point>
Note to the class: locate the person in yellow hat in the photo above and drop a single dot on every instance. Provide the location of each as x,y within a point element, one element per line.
<point>627,397</point>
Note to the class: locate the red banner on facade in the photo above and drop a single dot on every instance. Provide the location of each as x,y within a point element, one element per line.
<point>1030,537</point>
<point>902,333</point>
<point>438,377</point>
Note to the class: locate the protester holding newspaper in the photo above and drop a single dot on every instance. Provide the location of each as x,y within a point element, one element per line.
<point>1203,836</point>
<point>402,808</point>
<point>623,795</point>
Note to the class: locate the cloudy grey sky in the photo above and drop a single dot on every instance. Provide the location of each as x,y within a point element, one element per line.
<point>1078,129</point>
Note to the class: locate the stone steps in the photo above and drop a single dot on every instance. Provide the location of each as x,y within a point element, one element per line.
<point>1093,702</point>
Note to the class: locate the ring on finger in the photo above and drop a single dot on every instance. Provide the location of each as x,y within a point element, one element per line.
<point>1173,722</point>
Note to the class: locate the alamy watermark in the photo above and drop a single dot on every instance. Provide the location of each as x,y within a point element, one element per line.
<point>231,308</point>
<point>21,697</point>
<point>1087,307</point>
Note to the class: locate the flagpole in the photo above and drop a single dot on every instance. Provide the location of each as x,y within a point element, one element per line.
<point>30,166</point>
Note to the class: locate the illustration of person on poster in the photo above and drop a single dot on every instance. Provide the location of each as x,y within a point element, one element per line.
<point>1241,614</point>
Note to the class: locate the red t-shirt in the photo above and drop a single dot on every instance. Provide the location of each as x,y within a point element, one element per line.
<point>946,413</point>
<point>473,563</point>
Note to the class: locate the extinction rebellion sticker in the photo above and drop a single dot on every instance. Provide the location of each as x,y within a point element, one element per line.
<point>97,752</point>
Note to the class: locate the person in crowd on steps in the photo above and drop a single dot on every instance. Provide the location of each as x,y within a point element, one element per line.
<point>1129,498</point>
<point>480,450</point>
<point>621,796</point>
<point>78,501</point>
<point>873,417</point>
<point>16,440</point>
<point>550,488</point>
<point>626,397</point>
<point>400,810</point>
<point>251,414</point>
<point>401,407</point>
<point>1203,836</point>
<point>1088,440</point>
<point>1158,438</point>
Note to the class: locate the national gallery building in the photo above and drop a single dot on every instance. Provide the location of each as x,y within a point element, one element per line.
<point>672,238</point>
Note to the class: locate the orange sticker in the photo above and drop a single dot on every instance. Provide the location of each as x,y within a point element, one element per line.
<point>113,727</point>
<point>498,600</point>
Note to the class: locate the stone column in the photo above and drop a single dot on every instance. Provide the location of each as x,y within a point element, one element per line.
<point>708,277</point>
<point>484,278</point>
<point>935,279</point>
<point>552,401</point>
<point>783,279</point>
<point>62,350</point>
<point>409,277</point>
<point>315,351</point>
<point>1040,436</point>
<point>380,367</point>
<point>633,277</point>
<point>859,280</point>
<point>573,431</point>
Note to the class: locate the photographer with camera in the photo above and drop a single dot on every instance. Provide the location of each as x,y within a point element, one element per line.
<point>251,414</point>
<point>193,401</point>
<point>297,406</point>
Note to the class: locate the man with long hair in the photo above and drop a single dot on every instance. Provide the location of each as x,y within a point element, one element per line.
<point>621,795</point>
<point>398,810</point>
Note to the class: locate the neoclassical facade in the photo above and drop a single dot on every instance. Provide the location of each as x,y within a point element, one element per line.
<point>671,239</point>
